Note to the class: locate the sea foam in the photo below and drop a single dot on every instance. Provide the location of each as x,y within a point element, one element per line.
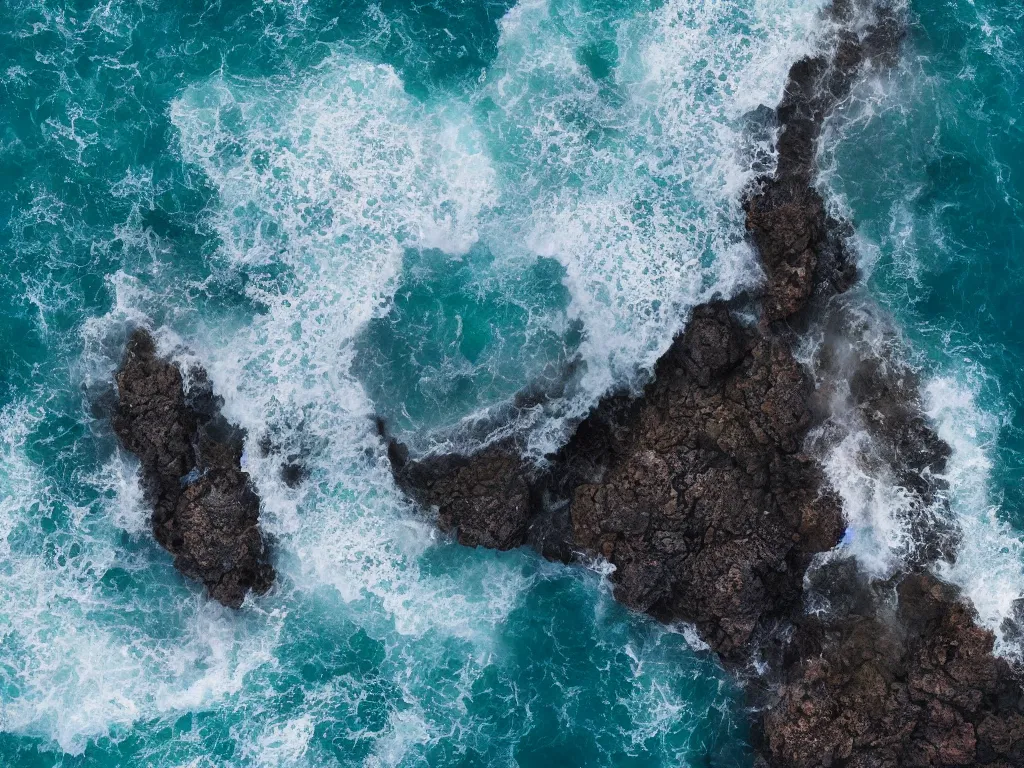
<point>610,145</point>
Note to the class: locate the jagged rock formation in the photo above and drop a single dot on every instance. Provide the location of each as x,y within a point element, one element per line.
<point>701,494</point>
<point>865,387</point>
<point>205,511</point>
<point>698,492</point>
<point>896,675</point>
<point>801,246</point>
<point>706,505</point>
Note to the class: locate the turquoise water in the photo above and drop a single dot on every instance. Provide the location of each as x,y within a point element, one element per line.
<point>931,166</point>
<point>416,210</point>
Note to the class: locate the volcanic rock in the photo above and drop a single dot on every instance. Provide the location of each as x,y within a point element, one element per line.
<point>802,247</point>
<point>697,491</point>
<point>484,499</point>
<point>706,505</point>
<point>902,677</point>
<point>205,512</point>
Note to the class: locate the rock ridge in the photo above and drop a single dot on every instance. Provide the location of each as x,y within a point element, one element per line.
<point>205,511</point>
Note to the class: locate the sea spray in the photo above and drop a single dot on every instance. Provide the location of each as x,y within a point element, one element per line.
<point>919,161</point>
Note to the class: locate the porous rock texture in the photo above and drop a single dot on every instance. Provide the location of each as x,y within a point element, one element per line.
<point>706,506</point>
<point>484,498</point>
<point>896,674</point>
<point>205,512</point>
<point>698,491</point>
<point>802,247</point>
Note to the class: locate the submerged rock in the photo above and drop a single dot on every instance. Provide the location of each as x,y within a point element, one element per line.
<point>205,512</point>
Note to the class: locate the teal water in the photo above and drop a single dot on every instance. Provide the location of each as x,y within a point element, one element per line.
<point>416,210</point>
<point>930,165</point>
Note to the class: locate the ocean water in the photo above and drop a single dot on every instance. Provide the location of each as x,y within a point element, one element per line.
<point>929,163</point>
<point>416,210</point>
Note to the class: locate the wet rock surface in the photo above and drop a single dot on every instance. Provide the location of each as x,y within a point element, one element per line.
<point>893,673</point>
<point>704,494</point>
<point>484,499</point>
<point>867,390</point>
<point>205,512</point>
<point>697,491</point>
<point>802,247</point>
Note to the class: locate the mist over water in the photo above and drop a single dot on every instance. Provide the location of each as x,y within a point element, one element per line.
<point>416,211</point>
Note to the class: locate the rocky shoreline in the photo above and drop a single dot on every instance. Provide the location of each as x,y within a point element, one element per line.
<point>704,493</point>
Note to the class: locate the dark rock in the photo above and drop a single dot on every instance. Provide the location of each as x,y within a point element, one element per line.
<point>705,504</point>
<point>292,470</point>
<point>886,392</point>
<point>484,499</point>
<point>205,512</point>
<point>550,530</point>
<point>292,473</point>
<point>867,386</point>
<point>697,491</point>
<point>802,247</point>
<point>904,677</point>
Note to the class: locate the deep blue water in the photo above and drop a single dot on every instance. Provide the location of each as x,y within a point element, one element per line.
<point>417,210</point>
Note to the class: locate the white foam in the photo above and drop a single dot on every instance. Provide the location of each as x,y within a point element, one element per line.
<point>647,223</point>
<point>284,744</point>
<point>879,512</point>
<point>990,561</point>
<point>351,171</point>
<point>408,730</point>
<point>324,182</point>
<point>877,509</point>
<point>74,677</point>
<point>989,565</point>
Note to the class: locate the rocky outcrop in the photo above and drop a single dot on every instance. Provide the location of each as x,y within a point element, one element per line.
<point>866,389</point>
<point>802,247</point>
<point>205,512</point>
<point>697,492</point>
<point>706,505</point>
<point>706,496</point>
